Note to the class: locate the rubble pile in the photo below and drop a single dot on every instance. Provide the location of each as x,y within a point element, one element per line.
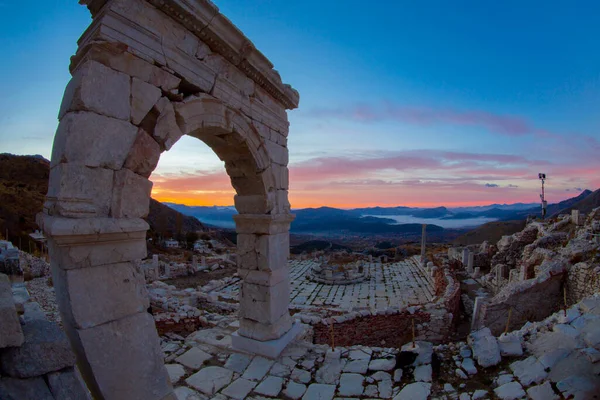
<point>34,266</point>
<point>36,360</point>
<point>535,272</point>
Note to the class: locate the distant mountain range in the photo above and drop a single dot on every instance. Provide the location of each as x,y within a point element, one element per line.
<point>24,182</point>
<point>386,220</point>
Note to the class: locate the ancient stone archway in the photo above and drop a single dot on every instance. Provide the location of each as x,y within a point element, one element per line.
<point>147,72</point>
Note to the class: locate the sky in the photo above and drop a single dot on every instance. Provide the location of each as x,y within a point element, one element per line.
<point>401,102</point>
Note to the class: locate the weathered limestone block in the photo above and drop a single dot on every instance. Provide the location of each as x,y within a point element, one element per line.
<point>143,98</point>
<point>273,251</point>
<point>131,195</point>
<point>46,349</point>
<point>246,250</point>
<point>33,311</point>
<point>264,278</point>
<point>166,131</point>
<point>86,138</point>
<point>101,294</point>
<point>485,348</point>
<point>24,389</point>
<point>77,191</point>
<point>246,185</point>
<point>283,205</point>
<point>67,385</point>
<point>210,380</point>
<point>164,41</point>
<point>269,105</point>
<point>279,154</point>
<point>11,333</point>
<point>84,243</point>
<point>232,74</point>
<point>144,154</point>
<point>116,56</point>
<point>94,87</point>
<point>202,113</point>
<point>281,176</point>
<point>125,351</point>
<point>264,303</point>
<point>233,95</point>
<point>262,331</point>
<point>256,204</point>
<point>20,296</point>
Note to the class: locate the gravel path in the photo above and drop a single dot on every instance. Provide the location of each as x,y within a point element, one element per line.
<point>43,294</point>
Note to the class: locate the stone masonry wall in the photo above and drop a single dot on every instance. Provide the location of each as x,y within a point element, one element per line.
<point>433,322</point>
<point>531,300</point>
<point>583,280</point>
<point>378,330</point>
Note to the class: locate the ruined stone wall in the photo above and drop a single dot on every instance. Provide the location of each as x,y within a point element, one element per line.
<point>393,327</point>
<point>531,300</point>
<point>377,330</point>
<point>176,324</point>
<point>583,280</point>
<point>439,282</point>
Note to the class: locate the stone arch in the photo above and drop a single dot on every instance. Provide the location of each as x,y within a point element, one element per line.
<point>146,73</point>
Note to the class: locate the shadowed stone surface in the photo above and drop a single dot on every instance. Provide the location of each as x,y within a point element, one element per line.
<point>24,389</point>
<point>46,349</point>
<point>67,385</point>
<point>11,333</point>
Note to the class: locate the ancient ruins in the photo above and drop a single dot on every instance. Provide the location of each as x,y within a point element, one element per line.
<point>515,319</point>
<point>146,73</point>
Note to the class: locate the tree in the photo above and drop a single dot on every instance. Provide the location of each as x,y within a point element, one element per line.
<point>191,238</point>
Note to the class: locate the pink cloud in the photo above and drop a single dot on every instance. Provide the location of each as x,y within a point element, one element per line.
<point>498,123</point>
<point>424,177</point>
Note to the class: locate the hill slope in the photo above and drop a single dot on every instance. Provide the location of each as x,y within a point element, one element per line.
<point>24,184</point>
<point>584,205</point>
<point>492,232</point>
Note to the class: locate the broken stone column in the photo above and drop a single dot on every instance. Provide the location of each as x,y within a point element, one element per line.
<point>575,217</point>
<point>465,257</point>
<point>384,259</point>
<point>513,275</point>
<point>328,274</point>
<point>203,261</point>
<point>479,301</point>
<point>155,266</point>
<point>370,258</point>
<point>263,249</point>
<point>477,272</point>
<point>501,272</point>
<point>470,262</point>
<point>195,263</point>
<point>433,271</point>
<point>423,242</point>
<point>522,273</point>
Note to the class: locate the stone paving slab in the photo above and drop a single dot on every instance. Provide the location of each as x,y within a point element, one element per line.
<point>398,284</point>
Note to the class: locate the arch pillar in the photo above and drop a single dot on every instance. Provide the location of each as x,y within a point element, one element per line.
<point>102,297</point>
<point>266,326</point>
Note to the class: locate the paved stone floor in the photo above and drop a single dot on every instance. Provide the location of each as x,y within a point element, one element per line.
<point>556,358</point>
<point>401,284</point>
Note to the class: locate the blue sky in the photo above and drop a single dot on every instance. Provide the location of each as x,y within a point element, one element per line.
<point>402,102</point>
